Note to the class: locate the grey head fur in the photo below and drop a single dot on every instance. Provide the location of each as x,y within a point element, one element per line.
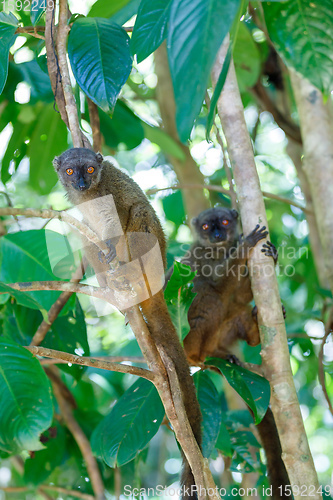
<point>79,169</point>
<point>216,226</point>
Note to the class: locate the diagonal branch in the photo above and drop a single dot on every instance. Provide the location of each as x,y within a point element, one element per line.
<point>92,362</point>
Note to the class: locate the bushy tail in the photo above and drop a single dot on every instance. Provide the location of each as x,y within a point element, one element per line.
<point>165,336</point>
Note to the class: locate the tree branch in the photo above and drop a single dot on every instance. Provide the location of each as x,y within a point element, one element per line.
<point>73,119</point>
<point>321,372</point>
<point>275,354</point>
<point>95,125</point>
<point>220,189</point>
<point>56,308</point>
<point>92,362</point>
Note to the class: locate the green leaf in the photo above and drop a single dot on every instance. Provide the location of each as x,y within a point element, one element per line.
<point>21,297</point>
<point>168,145</point>
<point>246,58</point>
<point>130,425</point>
<point>179,297</point>
<point>253,388</point>
<point>38,468</point>
<point>68,332</point>
<point>150,27</point>
<point>16,149</point>
<point>211,411</point>
<point>181,276</point>
<point>196,31</point>
<point>174,208</point>
<point>123,127</point>
<point>25,399</point>
<point>223,442</point>
<point>39,81</point>
<point>100,58</point>
<point>217,91</point>
<point>25,258</point>
<point>8,25</point>
<point>123,15</point>
<point>48,140</point>
<point>302,32</point>
<point>105,8</point>
<point>37,10</point>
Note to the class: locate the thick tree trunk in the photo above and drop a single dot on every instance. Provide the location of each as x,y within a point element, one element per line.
<point>275,354</point>
<point>317,132</point>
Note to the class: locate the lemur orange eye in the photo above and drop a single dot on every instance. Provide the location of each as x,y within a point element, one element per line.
<point>205,227</point>
<point>69,171</point>
<point>225,222</point>
<point>90,170</point>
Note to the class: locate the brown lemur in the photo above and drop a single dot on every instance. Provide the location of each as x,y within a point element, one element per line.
<point>87,177</point>
<point>221,313</point>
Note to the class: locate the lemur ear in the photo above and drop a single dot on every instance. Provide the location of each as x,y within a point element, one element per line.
<point>99,157</point>
<point>56,162</point>
<point>234,213</point>
<point>194,221</point>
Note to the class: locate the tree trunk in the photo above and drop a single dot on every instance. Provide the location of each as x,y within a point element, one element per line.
<point>275,355</point>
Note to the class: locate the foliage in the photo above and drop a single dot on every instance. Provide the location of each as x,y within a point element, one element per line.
<point>100,52</point>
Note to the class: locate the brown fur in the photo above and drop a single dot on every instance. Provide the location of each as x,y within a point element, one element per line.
<point>136,216</point>
<point>220,313</point>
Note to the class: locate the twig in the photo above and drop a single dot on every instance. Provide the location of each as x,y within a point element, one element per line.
<point>63,216</point>
<point>78,434</point>
<point>53,313</point>
<point>321,372</point>
<point>73,119</point>
<point>65,491</point>
<point>95,125</point>
<point>63,286</point>
<point>290,128</point>
<point>31,30</point>
<point>92,362</point>
<point>220,189</point>
<point>227,167</point>
<point>114,359</point>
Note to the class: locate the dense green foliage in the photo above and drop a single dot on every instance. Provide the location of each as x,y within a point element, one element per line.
<point>101,53</point>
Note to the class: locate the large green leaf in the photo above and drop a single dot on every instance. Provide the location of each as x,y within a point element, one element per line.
<point>36,10</point>
<point>48,140</point>
<point>100,58</point>
<point>253,388</point>
<point>105,8</point>
<point>302,32</point>
<point>25,399</point>
<point>150,27</point>
<point>196,31</point>
<point>25,258</point>
<point>67,333</point>
<point>130,425</point>
<point>124,127</point>
<point>8,25</point>
<point>211,411</point>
